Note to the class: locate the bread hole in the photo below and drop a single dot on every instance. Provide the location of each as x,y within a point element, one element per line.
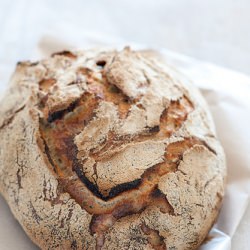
<point>101,64</point>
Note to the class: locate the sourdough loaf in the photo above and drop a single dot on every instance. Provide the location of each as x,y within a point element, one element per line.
<point>106,149</point>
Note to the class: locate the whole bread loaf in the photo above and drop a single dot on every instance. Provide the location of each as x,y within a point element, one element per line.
<point>106,149</point>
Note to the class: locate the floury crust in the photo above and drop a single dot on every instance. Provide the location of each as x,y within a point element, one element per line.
<point>109,150</point>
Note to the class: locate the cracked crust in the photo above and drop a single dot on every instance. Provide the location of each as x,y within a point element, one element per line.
<point>109,150</point>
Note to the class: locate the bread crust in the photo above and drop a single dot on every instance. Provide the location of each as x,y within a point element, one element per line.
<point>105,149</point>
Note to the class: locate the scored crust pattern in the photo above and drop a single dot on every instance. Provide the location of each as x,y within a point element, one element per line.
<point>116,135</point>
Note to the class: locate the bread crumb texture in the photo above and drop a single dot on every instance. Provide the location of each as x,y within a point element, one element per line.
<point>106,149</point>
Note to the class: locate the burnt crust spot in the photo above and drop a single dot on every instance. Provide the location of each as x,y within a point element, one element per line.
<point>123,187</point>
<point>57,115</point>
<point>90,185</point>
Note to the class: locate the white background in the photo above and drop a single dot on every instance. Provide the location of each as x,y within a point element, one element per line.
<point>214,30</point>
